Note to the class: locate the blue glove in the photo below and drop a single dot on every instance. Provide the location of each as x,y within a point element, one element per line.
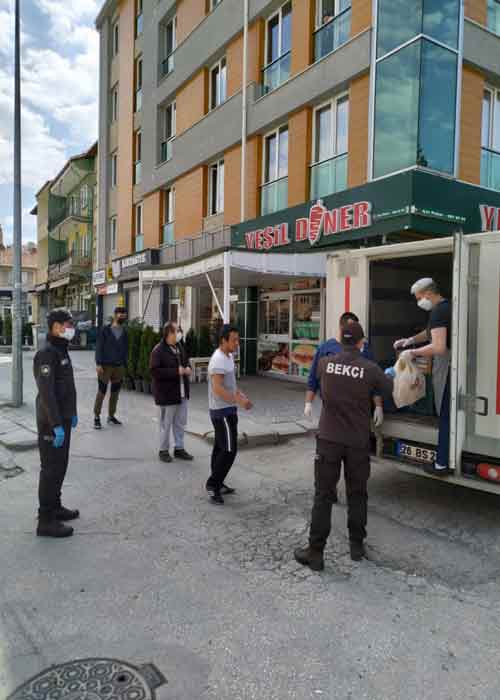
<point>390,372</point>
<point>74,421</point>
<point>59,436</point>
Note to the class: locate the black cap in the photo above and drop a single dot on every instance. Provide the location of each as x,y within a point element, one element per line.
<point>58,316</point>
<point>352,334</point>
<point>120,310</point>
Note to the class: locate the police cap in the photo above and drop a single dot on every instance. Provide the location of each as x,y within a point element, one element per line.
<point>58,316</point>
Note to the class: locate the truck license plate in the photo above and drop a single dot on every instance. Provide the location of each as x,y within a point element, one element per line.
<point>418,454</point>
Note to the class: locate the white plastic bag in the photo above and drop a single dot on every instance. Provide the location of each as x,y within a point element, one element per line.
<point>409,383</point>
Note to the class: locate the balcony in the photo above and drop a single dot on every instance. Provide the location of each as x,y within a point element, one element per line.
<point>494,16</point>
<point>167,65</point>
<point>191,248</point>
<point>490,169</point>
<point>274,196</point>
<point>168,233</point>
<point>139,243</point>
<point>62,208</point>
<point>275,74</point>
<point>74,264</point>
<point>166,150</point>
<point>330,36</point>
<point>137,172</point>
<point>329,176</point>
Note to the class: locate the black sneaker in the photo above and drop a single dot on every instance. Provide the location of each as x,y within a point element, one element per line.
<point>214,496</point>
<point>357,550</point>
<point>180,453</point>
<point>165,456</point>
<point>310,557</point>
<point>114,421</point>
<point>53,528</point>
<point>227,490</point>
<point>97,423</point>
<point>437,470</point>
<point>64,514</point>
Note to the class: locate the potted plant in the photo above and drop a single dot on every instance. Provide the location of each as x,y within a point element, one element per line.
<point>134,340</point>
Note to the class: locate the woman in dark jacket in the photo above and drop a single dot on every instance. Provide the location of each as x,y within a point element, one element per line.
<point>171,371</point>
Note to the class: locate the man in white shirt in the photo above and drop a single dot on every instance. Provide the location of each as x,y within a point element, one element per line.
<point>224,397</point>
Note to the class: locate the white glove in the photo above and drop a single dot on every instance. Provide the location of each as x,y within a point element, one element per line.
<point>403,343</point>
<point>308,409</point>
<point>378,416</point>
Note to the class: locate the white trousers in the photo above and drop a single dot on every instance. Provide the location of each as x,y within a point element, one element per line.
<point>173,418</point>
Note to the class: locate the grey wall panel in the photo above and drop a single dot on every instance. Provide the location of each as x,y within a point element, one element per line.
<point>482,49</point>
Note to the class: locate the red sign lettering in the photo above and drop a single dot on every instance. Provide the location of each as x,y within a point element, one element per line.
<point>362,215</point>
<point>330,222</point>
<point>301,229</point>
<point>346,217</point>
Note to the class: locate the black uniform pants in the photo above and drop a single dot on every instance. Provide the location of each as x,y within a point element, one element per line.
<point>225,449</point>
<point>53,466</point>
<point>327,466</point>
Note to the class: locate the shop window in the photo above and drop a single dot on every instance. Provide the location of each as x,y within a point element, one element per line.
<point>169,216</point>
<point>490,139</point>
<point>115,33</point>
<point>330,145</point>
<point>216,188</point>
<point>333,26</point>
<point>167,119</point>
<point>494,16</point>
<point>138,84</point>
<point>278,44</point>
<point>274,191</point>
<point>218,84</point>
<point>168,43</point>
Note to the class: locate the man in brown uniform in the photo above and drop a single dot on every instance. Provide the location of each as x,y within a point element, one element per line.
<point>347,382</point>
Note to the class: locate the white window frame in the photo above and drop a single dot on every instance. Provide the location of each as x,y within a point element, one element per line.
<point>139,219</point>
<point>220,98</point>
<point>139,61</point>
<point>278,13</point>
<point>165,26</point>
<point>138,146</point>
<point>169,205</point>
<point>274,132</point>
<point>113,231</point>
<point>114,169</point>
<point>333,104</point>
<point>319,13</point>
<point>219,207</point>
<point>115,39</point>
<point>114,103</point>
<point>494,116</point>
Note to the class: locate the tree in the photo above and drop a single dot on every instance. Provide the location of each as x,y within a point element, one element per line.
<point>191,343</point>
<point>134,341</point>
<point>205,347</point>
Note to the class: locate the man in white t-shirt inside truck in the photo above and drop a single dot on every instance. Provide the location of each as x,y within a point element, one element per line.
<point>224,397</point>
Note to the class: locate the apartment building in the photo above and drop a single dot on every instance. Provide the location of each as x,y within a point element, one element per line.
<point>28,276</point>
<point>228,142</point>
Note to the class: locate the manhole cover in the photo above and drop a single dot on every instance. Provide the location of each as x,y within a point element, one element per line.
<point>92,679</point>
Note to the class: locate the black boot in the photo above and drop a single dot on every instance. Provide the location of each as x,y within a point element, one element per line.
<point>313,558</point>
<point>180,453</point>
<point>164,456</point>
<point>53,528</point>
<point>64,514</point>
<point>357,550</point>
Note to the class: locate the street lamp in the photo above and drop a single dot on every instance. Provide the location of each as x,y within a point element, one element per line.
<point>17,321</point>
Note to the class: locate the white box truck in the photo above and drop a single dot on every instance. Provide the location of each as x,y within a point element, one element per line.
<point>375,282</point>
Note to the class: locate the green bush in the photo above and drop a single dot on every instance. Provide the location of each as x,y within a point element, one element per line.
<point>134,343</point>
<point>147,345</point>
<point>191,343</point>
<point>205,347</point>
<point>7,329</point>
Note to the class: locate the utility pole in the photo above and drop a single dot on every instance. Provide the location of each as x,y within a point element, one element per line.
<point>17,321</point>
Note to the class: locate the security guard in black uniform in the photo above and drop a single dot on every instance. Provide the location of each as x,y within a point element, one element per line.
<point>348,382</point>
<point>56,416</point>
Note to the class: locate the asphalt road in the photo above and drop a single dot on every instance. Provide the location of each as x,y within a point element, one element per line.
<point>213,597</point>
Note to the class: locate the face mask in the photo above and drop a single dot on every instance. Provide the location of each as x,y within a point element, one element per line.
<point>425,304</point>
<point>120,321</point>
<point>178,337</point>
<point>68,334</point>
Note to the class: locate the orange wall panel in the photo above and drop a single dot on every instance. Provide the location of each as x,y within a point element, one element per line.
<point>152,219</point>
<point>232,182</point>
<point>234,56</point>
<point>359,94</point>
<point>126,128</point>
<point>191,101</point>
<point>299,156</point>
<point>302,35</point>
<point>476,10</point>
<point>189,14</point>
<point>361,17</point>
<point>470,126</point>
<point>190,208</point>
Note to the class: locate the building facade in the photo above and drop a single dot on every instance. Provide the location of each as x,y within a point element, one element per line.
<point>302,124</point>
<point>28,273</point>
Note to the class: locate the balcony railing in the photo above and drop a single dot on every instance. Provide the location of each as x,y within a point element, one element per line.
<point>72,264</point>
<point>274,196</point>
<point>138,100</point>
<point>490,169</point>
<point>332,35</point>
<point>494,16</point>
<point>167,65</point>
<point>137,172</point>
<point>168,233</point>
<point>329,176</point>
<point>139,243</point>
<point>189,248</point>
<point>166,150</point>
<point>276,73</point>
<point>60,210</point>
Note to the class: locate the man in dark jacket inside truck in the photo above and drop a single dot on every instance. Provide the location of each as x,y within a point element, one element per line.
<point>111,357</point>
<point>171,371</point>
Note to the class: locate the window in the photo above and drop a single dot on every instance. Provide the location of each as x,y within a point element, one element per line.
<point>330,145</point>
<point>138,18</point>
<point>138,84</point>
<point>216,188</point>
<point>169,216</point>
<point>274,194</point>
<point>86,246</point>
<point>84,198</point>
<point>168,127</point>
<point>214,3</point>
<point>168,43</point>
<point>138,158</point>
<point>114,169</point>
<point>114,104</point>
<point>494,16</point>
<point>115,38</point>
<point>139,234</point>
<point>490,139</point>
<point>333,26</point>
<point>277,49</point>
<point>113,227</point>
<point>218,84</point>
